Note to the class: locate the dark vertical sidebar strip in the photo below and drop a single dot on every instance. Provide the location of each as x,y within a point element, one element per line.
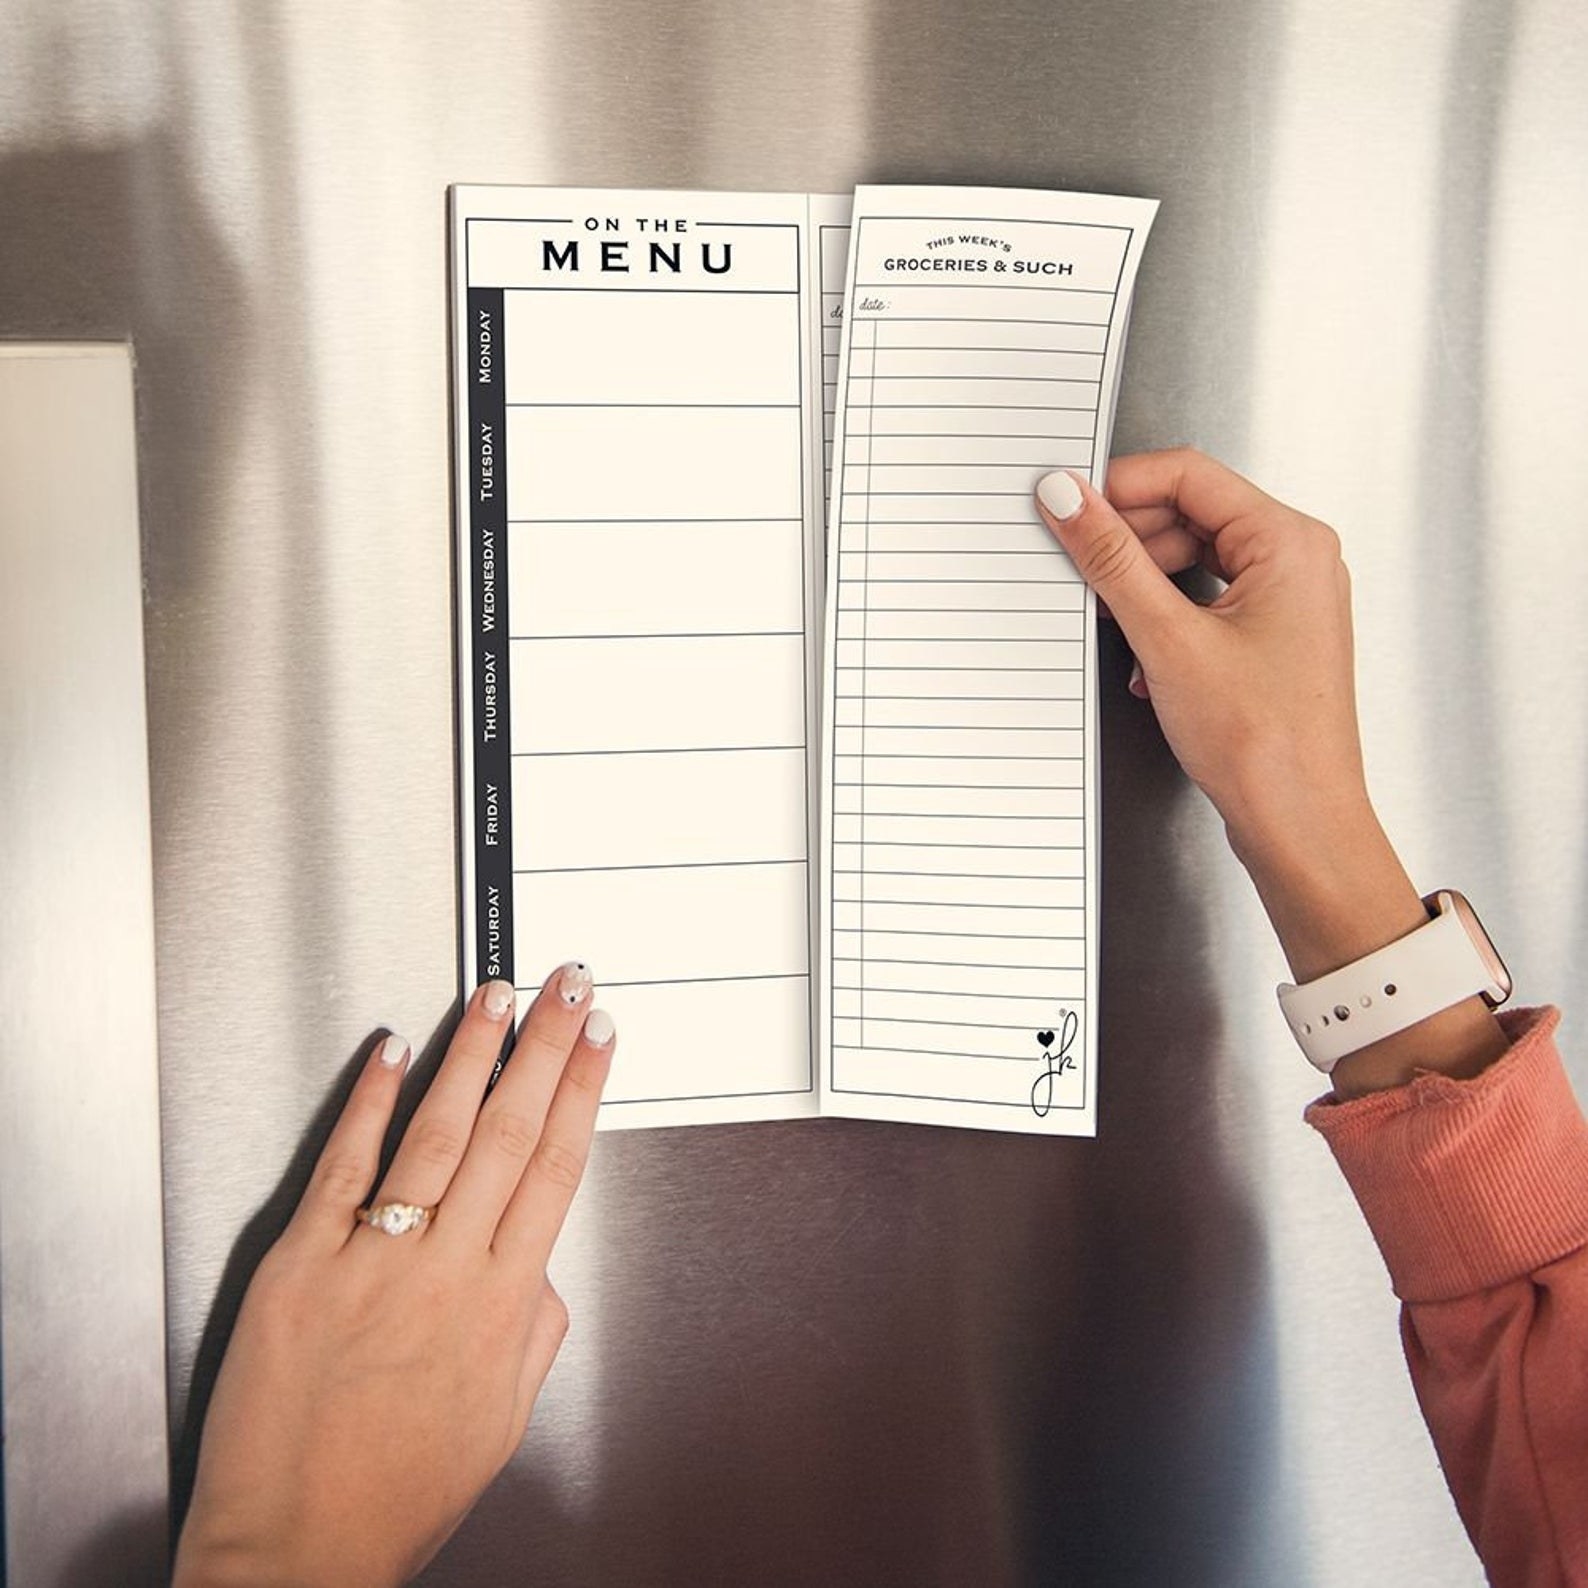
<point>492,747</point>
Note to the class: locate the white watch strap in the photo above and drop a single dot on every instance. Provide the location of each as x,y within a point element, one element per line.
<point>1429,969</point>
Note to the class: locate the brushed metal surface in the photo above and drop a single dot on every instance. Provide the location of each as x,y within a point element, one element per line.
<point>840,1352</point>
<point>82,1314</point>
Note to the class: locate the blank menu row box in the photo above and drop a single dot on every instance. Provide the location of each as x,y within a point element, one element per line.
<point>634,579</point>
<point>669,924</point>
<point>687,1039</point>
<point>554,343</point>
<point>674,692</point>
<point>649,464</point>
<point>679,808</point>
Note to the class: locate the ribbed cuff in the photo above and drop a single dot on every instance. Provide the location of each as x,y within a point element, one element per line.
<point>1468,1184</point>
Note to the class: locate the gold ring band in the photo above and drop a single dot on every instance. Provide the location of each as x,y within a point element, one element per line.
<point>396,1218</point>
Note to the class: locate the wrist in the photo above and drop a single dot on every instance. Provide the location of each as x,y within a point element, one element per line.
<point>1331,883</point>
<point>1337,892</point>
<point>1461,1042</point>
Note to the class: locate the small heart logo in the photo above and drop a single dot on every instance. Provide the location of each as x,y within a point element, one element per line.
<point>1045,1038</point>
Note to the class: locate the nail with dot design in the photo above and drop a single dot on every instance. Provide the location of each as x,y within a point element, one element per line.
<point>497,999</point>
<point>574,982</point>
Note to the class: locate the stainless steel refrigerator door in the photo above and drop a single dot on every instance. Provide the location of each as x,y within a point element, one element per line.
<point>840,1353</point>
<point>82,1316</point>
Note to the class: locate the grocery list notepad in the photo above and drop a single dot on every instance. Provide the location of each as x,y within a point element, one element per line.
<point>841,867</point>
<point>959,897</point>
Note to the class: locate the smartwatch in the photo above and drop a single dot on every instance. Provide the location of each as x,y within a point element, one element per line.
<point>1429,969</point>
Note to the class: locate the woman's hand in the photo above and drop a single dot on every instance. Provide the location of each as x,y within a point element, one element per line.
<point>376,1383</point>
<point>1255,694</point>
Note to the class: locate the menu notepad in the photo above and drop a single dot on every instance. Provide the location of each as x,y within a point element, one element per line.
<point>813,791</point>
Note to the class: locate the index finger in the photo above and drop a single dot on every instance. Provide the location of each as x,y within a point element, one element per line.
<point>1206,494</point>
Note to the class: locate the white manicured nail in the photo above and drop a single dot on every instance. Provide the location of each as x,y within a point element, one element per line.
<point>1138,684</point>
<point>395,1052</point>
<point>497,999</point>
<point>598,1028</point>
<point>574,982</point>
<point>1059,493</point>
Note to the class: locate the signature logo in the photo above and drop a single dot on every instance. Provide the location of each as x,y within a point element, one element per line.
<point>1056,1059</point>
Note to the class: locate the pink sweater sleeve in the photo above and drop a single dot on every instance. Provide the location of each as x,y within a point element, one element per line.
<point>1477,1193</point>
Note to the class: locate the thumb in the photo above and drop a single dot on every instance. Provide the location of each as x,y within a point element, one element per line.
<point>1109,556</point>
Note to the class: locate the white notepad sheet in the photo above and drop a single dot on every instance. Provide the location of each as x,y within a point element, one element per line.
<point>653,392</point>
<point>959,845</point>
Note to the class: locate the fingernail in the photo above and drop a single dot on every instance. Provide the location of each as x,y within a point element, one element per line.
<point>394,1051</point>
<point>598,1028</point>
<point>574,982</point>
<point>1138,683</point>
<point>1059,493</point>
<point>497,998</point>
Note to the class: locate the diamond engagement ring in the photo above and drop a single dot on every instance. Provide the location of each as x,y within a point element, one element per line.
<point>396,1218</point>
